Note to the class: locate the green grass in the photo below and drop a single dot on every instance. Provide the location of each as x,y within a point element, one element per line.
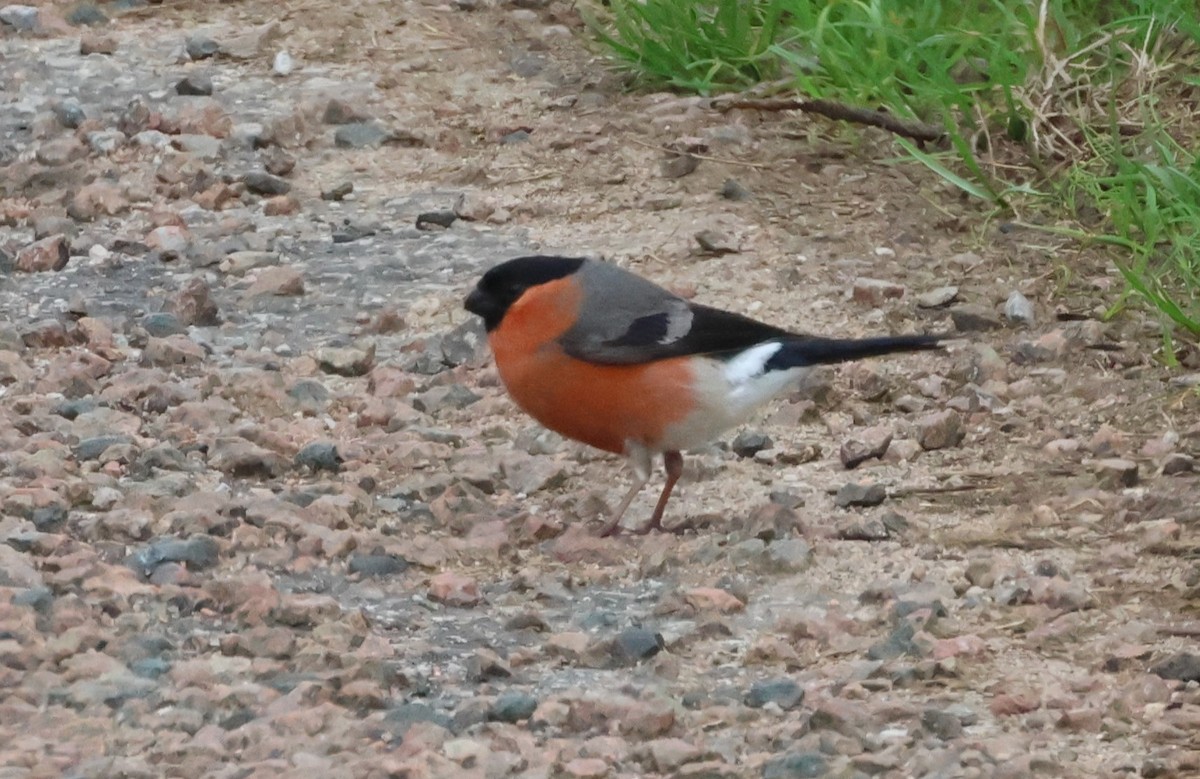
<point>1085,110</point>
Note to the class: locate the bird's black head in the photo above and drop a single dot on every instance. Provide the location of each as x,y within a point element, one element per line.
<point>501,286</point>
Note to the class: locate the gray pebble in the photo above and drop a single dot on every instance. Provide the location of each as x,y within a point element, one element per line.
<point>750,442</point>
<point>733,190</point>
<point>23,18</point>
<point>797,765</point>
<point>512,706</point>
<point>360,135</point>
<point>49,519</point>
<point>198,552</point>
<point>856,494</point>
<point>92,448</point>
<point>371,565</point>
<point>201,47</point>
<point>69,114</point>
<point>1018,309</point>
<point>789,555</point>
<point>942,724</point>
<point>785,693</point>
<point>263,183</point>
<point>635,644</point>
<point>195,84</point>
<point>86,15</point>
<point>161,325</point>
<point>404,716</point>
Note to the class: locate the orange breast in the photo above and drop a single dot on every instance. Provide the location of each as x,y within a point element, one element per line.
<point>601,405</point>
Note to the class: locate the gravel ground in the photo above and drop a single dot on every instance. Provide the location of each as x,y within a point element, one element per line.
<point>265,510</point>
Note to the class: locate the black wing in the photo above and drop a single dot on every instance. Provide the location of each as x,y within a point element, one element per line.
<point>659,336</point>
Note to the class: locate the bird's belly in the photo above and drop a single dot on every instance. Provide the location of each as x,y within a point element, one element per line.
<point>721,403</point>
<point>605,406</point>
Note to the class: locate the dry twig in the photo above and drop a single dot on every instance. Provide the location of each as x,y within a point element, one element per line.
<point>918,131</point>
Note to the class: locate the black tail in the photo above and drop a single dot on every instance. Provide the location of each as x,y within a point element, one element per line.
<point>817,351</point>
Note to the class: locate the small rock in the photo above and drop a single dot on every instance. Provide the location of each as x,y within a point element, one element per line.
<point>431,219</point>
<point>197,552</point>
<point>172,351</point>
<point>263,183</point>
<point>278,162</point>
<point>474,207</point>
<point>789,555</point>
<point>283,64</point>
<point>170,241</point>
<point>244,459</point>
<point>280,205</point>
<point>360,135</point>
<point>49,254</point>
<point>1183,666</point>
<point>1115,473</point>
<point>585,768</point>
<point>940,430</point>
<point>943,724</point>
<point>193,304</point>
<point>750,442</point>
<point>973,319</point>
<point>23,18</point>
<point>69,113</point>
<point>1178,463</point>
<point>454,589</point>
<point>200,47</point>
<point>92,448</point>
<point>869,529</point>
<point>633,645</point>
<point>377,565</point>
<point>709,599</point>
<point>241,262</point>
<point>320,456</point>
<point>1018,309</point>
<point>86,15</point>
<point>937,298</point>
<point>400,719</point>
<point>679,165</point>
<point>95,43</point>
<point>338,192</point>
<point>868,444</point>
<point>570,646</point>
<point>279,281</point>
<point>195,84</point>
<point>860,494</point>
<point>453,397</point>
<point>105,141</point>
<point>339,111</point>
<point>99,198</point>
<point>161,325</point>
<point>346,361</point>
<point>796,765</point>
<point>716,243</point>
<point>60,151</point>
<point>733,190</point>
<point>512,707</point>
<point>785,693</point>
<point>875,292</point>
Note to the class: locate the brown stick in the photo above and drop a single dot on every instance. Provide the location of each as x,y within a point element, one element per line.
<point>916,130</point>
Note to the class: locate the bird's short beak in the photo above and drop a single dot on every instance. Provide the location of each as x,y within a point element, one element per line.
<point>476,302</point>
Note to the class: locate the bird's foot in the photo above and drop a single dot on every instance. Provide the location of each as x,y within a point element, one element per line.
<point>615,529</point>
<point>650,527</point>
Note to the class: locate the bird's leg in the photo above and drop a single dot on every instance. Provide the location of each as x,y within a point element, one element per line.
<point>673,461</point>
<point>614,522</point>
<point>639,459</point>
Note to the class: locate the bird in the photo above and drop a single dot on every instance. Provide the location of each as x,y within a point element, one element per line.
<point>608,358</point>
